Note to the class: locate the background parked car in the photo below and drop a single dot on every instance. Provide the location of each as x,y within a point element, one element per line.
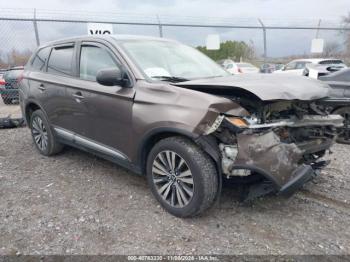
<point>229,65</point>
<point>237,68</point>
<point>2,80</point>
<point>270,67</point>
<point>247,68</point>
<point>339,103</point>
<point>9,88</point>
<point>317,70</point>
<point>296,67</point>
<point>279,66</point>
<point>267,68</point>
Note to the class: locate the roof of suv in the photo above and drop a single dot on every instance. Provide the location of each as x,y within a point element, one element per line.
<point>108,37</point>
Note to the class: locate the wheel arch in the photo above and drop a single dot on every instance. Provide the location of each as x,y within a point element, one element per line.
<point>30,107</point>
<point>155,135</point>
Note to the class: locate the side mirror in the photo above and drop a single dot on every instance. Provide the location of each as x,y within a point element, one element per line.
<point>110,77</point>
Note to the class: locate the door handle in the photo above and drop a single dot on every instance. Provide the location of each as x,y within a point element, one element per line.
<point>78,95</point>
<point>42,87</point>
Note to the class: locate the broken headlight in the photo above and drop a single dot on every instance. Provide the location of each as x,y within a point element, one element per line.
<point>237,121</point>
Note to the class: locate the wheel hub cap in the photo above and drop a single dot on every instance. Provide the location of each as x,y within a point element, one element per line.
<point>173,178</point>
<point>39,133</point>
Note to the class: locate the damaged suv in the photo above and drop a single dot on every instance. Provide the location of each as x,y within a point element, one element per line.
<point>163,109</point>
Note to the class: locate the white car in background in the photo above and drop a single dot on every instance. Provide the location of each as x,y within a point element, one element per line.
<point>247,68</point>
<point>296,67</point>
<point>238,68</point>
<point>232,68</point>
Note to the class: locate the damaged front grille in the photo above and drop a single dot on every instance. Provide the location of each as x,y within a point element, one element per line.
<point>276,141</point>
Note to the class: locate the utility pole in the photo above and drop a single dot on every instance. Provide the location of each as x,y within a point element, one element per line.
<point>36,29</point>
<point>318,28</point>
<point>160,27</point>
<point>264,34</point>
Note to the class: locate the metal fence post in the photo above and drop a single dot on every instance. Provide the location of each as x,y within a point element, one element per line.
<point>160,27</point>
<point>264,33</point>
<point>36,29</point>
<point>318,28</point>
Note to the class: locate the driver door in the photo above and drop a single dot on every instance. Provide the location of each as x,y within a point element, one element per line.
<point>107,110</point>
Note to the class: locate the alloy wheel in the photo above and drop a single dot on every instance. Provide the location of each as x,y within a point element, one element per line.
<point>39,133</point>
<point>173,179</point>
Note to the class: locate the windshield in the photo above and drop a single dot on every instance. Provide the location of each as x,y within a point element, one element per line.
<point>162,60</point>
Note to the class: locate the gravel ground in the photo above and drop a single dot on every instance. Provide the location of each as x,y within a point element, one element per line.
<point>12,110</point>
<point>75,203</point>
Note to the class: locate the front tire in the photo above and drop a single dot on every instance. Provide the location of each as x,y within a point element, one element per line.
<point>42,134</point>
<point>182,177</point>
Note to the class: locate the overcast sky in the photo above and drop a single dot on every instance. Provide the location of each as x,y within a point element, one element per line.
<point>273,12</point>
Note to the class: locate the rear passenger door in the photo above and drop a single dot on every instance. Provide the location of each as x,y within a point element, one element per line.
<point>104,112</point>
<point>36,75</point>
<point>61,70</point>
<point>46,89</point>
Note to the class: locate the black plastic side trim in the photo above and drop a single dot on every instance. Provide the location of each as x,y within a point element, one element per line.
<point>121,162</point>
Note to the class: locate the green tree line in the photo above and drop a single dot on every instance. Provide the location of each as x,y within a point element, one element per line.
<point>230,49</point>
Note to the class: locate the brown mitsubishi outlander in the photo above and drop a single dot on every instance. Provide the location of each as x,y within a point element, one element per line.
<point>165,110</point>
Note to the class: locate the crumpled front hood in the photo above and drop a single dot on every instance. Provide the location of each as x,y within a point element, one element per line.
<point>265,86</point>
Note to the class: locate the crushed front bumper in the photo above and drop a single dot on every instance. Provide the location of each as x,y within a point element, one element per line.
<point>282,165</point>
<point>300,176</point>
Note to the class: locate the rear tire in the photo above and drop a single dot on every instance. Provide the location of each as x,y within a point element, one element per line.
<point>187,182</point>
<point>43,136</point>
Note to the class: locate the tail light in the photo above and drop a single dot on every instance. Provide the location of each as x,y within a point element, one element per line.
<point>2,82</point>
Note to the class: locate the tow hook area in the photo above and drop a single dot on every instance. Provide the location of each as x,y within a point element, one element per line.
<point>300,176</point>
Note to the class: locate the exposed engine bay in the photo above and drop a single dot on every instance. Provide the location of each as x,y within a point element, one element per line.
<point>282,135</point>
<point>279,140</point>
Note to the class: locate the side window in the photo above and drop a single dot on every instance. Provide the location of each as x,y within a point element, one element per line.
<point>40,58</point>
<point>60,61</point>
<point>300,65</point>
<point>93,59</point>
<point>290,66</point>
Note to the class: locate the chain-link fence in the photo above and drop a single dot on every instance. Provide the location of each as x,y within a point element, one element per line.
<point>272,39</point>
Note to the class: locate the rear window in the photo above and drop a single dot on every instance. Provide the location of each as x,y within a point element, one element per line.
<point>40,58</point>
<point>60,61</point>
<point>333,62</point>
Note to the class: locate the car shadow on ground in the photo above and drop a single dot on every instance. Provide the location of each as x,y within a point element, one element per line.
<point>230,197</point>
